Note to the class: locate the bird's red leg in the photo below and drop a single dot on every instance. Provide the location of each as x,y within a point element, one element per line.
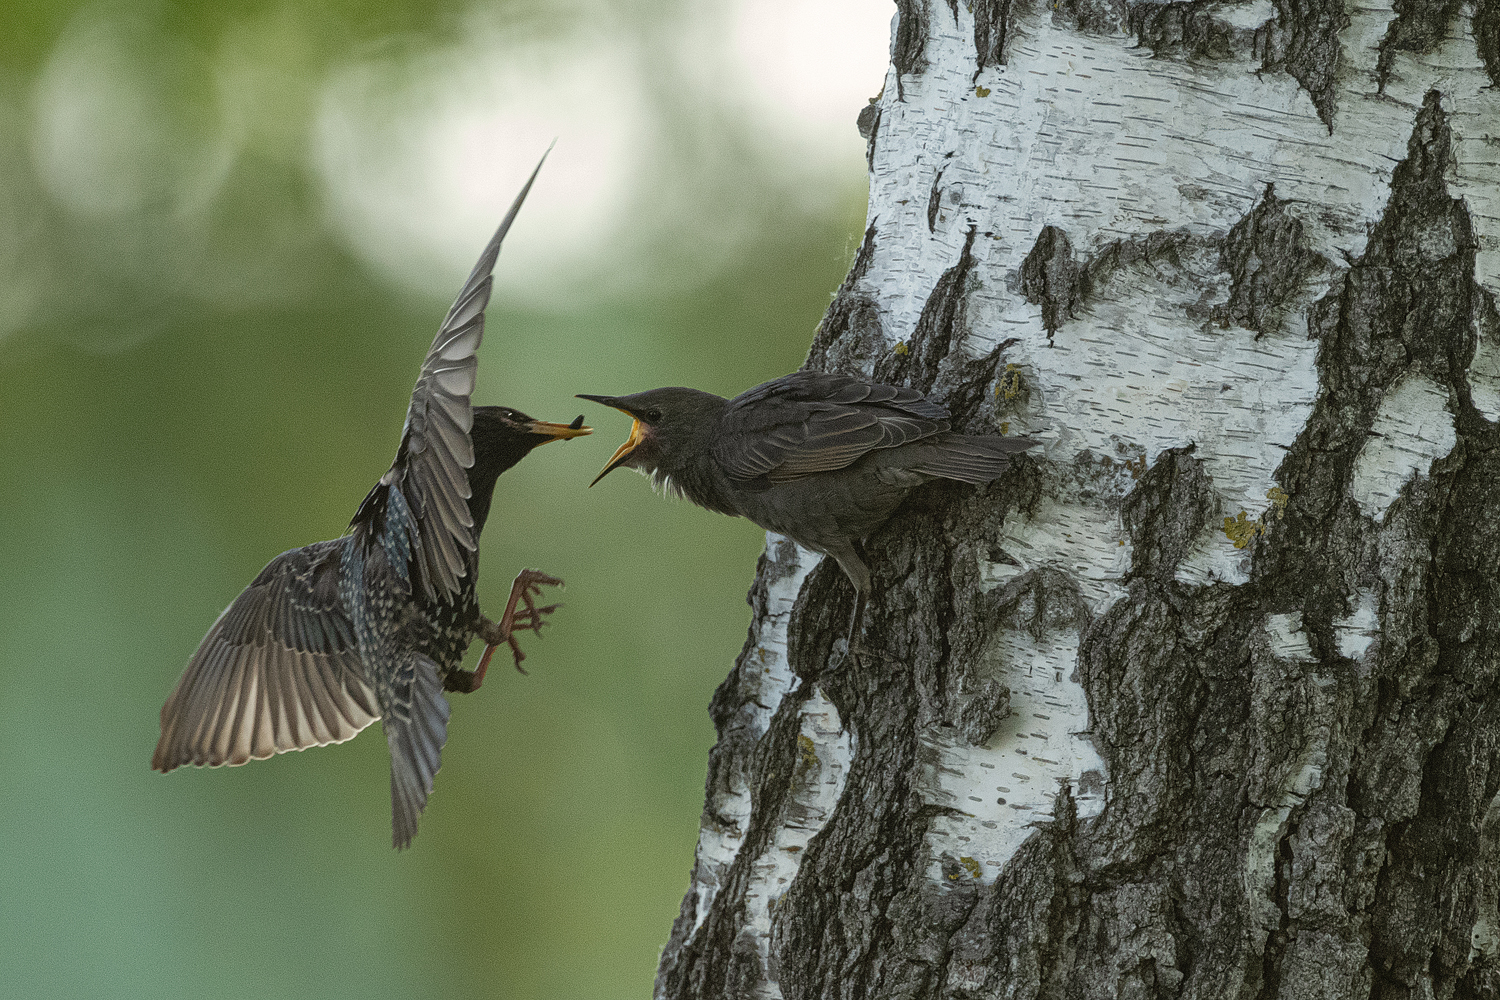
<point>528,584</point>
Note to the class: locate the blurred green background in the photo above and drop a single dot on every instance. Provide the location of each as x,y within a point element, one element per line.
<point>227,234</point>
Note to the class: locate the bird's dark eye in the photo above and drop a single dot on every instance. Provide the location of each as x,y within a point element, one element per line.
<point>652,416</point>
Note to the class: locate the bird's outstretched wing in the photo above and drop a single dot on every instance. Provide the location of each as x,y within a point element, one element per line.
<point>435,454</point>
<point>810,422</point>
<point>279,670</point>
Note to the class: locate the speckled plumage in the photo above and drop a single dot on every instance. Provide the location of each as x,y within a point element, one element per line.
<point>334,635</point>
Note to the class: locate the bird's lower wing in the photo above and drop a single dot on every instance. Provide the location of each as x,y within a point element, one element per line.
<point>968,458</point>
<point>416,731</point>
<point>809,422</point>
<point>277,671</point>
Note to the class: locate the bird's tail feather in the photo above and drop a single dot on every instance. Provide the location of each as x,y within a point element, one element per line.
<point>416,750</point>
<point>968,458</point>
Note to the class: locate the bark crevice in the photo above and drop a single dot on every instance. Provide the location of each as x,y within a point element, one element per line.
<point>939,330</point>
<point>1053,278</point>
<point>1487,36</point>
<point>1303,40</point>
<point>908,54</point>
<point>1192,29</point>
<point>993,23</point>
<point>1419,26</point>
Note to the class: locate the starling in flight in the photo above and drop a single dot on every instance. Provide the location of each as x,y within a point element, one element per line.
<point>822,459</point>
<point>373,625</point>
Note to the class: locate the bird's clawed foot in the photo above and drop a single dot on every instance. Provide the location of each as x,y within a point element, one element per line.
<point>850,648</point>
<point>860,654</point>
<point>524,591</point>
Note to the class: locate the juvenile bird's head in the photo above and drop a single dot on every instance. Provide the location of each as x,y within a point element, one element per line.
<point>672,429</point>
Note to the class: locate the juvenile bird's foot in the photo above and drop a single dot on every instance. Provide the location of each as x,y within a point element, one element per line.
<point>860,653</point>
<point>849,648</point>
<point>526,588</point>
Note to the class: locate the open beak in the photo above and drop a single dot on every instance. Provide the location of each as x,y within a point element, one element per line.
<point>637,435</point>
<point>559,432</point>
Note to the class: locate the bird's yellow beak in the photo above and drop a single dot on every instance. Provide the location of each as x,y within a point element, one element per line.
<point>637,435</point>
<point>559,432</point>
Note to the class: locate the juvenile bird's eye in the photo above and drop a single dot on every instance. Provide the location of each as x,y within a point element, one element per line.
<point>652,416</point>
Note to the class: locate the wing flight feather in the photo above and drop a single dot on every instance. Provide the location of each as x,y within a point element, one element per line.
<point>436,450</point>
<point>818,422</point>
<point>278,671</point>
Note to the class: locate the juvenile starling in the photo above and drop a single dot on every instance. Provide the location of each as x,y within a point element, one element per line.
<point>822,459</point>
<point>373,625</point>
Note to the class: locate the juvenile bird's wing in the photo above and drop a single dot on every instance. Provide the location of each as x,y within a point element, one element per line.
<point>278,671</point>
<point>810,422</point>
<point>435,454</point>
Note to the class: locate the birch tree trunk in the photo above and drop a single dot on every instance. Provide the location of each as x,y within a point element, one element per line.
<point>1199,701</point>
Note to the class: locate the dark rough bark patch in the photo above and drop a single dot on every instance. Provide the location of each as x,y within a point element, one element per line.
<point>1166,511</point>
<point>1410,299</point>
<point>1189,28</point>
<point>939,329</point>
<point>1097,17</point>
<point>965,386</point>
<point>1419,26</point>
<point>1487,36</point>
<point>1269,262</point>
<point>849,338</point>
<point>935,199</point>
<point>868,123</point>
<point>1304,41</point>
<point>981,716</point>
<point>1036,602</point>
<point>1407,304</point>
<point>1162,250</point>
<point>1422,761</point>
<point>1051,277</point>
<point>992,22</point>
<point>909,52</point>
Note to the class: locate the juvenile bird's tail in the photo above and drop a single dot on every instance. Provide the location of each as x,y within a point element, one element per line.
<point>967,458</point>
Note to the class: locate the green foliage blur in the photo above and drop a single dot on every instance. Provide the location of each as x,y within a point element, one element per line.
<point>191,384</point>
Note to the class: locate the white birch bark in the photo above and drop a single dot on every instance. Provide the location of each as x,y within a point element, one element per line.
<point>1201,701</point>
